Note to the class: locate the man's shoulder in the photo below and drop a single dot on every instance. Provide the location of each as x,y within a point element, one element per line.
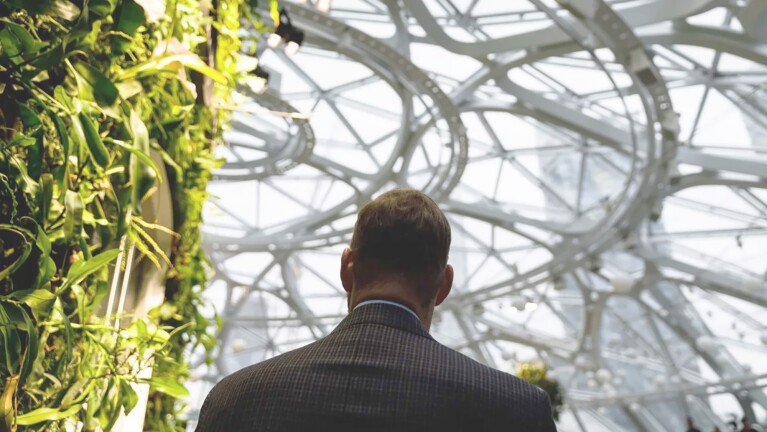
<point>269,368</point>
<point>492,393</point>
<point>246,384</point>
<point>490,379</point>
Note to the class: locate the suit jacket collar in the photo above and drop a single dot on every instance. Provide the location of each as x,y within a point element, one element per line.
<point>384,314</point>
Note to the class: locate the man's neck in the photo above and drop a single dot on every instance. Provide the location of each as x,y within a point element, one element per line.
<point>392,295</point>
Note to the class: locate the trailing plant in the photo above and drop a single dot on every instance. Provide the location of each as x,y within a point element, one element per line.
<point>536,373</point>
<point>88,89</point>
<point>191,171</point>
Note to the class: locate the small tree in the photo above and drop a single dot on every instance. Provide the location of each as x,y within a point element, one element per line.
<point>536,373</point>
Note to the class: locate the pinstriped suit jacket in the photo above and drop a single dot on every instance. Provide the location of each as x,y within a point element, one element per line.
<point>379,370</point>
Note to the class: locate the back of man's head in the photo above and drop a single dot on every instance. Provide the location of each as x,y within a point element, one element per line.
<point>401,235</point>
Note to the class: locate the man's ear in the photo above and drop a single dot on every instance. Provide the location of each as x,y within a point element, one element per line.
<point>347,267</point>
<point>445,285</point>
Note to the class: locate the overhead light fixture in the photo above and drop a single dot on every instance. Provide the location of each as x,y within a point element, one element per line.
<point>604,375</point>
<point>282,28</point>
<point>323,5</point>
<point>285,32</point>
<point>622,283</point>
<point>294,41</point>
<point>238,345</point>
<point>260,80</point>
<point>274,40</point>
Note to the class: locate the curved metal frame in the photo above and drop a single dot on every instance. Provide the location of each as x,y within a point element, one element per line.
<point>577,284</point>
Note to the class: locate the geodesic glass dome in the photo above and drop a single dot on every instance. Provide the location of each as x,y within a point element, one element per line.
<point>603,165</point>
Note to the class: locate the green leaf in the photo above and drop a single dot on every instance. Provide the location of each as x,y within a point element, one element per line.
<point>129,396</point>
<point>46,263</point>
<point>30,355</point>
<point>44,197</point>
<point>17,43</point>
<point>207,71</point>
<point>11,344</point>
<point>77,138</point>
<point>17,246</point>
<point>60,94</point>
<point>24,179</point>
<point>46,414</point>
<point>83,268</point>
<point>32,126</point>
<point>8,202</point>
<point>178,172</point>
<point>42,242</point>
<point>11,44</point>
<point>131,17</point>
<point>39,301</point>
<point>85,249</point>
<point>73,219</point>
<point>120,200</point>
<point>102,288</point>
<point>59,315</point>
<point>101,88</point>
<point>15,314</point>
<point>139,132</point>
<point>165,127</point>
<point>8,403</point>
<point>50,58</point>
<point>61,175</point>
<point>143,170</point>
<point>169,387</point>
<point>87,391</point>
<point>29,118</point>
<point>106,210</point>
<point>102,8</point>
<point>96,146</point>
<point>189,60</point>
<point>21,140</point>
<point>111,417</point>
<point>74,391</point>
<point>35,159</point>
<point>89,418</point>
<point>61,131</point>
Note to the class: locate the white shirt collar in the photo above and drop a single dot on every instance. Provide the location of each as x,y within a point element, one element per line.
<point>399,305</point>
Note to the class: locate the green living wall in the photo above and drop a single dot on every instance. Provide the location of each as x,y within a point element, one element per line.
<point>89,89</point>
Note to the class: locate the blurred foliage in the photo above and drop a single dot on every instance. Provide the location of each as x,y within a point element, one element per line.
<point>88,88</point>
<point>536,373</point>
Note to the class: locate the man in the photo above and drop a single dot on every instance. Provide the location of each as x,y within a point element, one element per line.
<point>746,425</point>
<point>380,369</point>
<point>691,425</point>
